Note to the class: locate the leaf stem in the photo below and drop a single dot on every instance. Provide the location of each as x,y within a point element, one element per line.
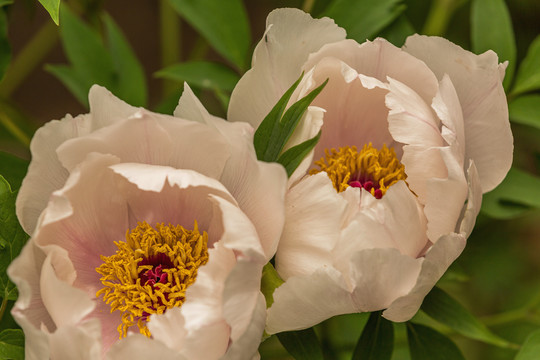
<point>12,127</point>
<point>3,308</point>
<point>170,41</point>
<point>29,58</point>
<point>439,16</point>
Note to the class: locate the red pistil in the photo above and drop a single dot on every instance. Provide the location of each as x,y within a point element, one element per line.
<point>368,186</point>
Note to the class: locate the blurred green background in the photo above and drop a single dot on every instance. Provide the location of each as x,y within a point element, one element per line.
<point>497,277</point>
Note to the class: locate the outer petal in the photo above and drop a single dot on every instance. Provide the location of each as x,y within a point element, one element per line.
<point>478,84</point>
<point>277,61</point>
<point>139,347</point>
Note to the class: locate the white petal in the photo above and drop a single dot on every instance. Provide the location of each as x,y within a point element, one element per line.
<point>139,347</point>
<point>277,61</point>
<point>79,342</point>
<point>106,108</point>
<point>474,201</point>
<point>478,84</point>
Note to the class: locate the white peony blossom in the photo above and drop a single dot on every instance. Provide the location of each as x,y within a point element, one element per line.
<point>148,235</point>
<point>411,139</point>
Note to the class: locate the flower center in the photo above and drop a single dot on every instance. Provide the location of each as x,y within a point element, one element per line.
<point>371,169</point>
<point>151,271</point>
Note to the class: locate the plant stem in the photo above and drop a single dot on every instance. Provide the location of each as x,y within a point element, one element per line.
<point>29,58</point>
<point>170,41</point>
<point>12,127</point>
<point>3,308</point>
<point>308,5</point>
<point>439,16</point>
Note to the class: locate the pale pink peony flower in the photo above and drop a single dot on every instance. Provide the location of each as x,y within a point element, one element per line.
<point>419,134</point>
<point>167,221</point>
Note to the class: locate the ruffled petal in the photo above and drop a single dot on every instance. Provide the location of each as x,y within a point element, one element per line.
<point>139,347</point>
<point>106,108</point>
<point>81,342</point>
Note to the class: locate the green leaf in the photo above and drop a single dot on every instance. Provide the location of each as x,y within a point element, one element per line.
<point>275,130</point>
<point>224,24</point>
<point>398,31</point>
<point>291,158</point>
<point>13,169</point>
<point>5,2</point>
<point>528,76</point>
<point>5,48</point>
<point>491,29</point>
<point>53,7</point>
<point>302,344</point>
<point>12,344</point>
<point>203,74</point>
<point>71,79</point>
<point>426,343</point>
<point>377,339</point>
<point>363,19</point>
<point>12,238</point>
<point>446,310</point>
<point>530,348</point>
<point>270,281</point>
<point>525,110</point>
<point>131,82</point>
<point>519,192</point>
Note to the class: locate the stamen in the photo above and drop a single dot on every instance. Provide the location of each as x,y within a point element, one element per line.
<point>151,271</point>
<point>371,169</point>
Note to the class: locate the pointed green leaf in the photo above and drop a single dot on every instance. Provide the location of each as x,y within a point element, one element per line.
<point>446,310</point>
<point>71,79</point>
<point>223,23</point>
<point>270,281</point>
<point>528,76</point>
<point>518,192</point>
<point>377,339</point>
<point>530,348</point>
<point>12,344</point>
<point>426,343</point>
<point>363,19</point>
<point>203,74</point>
<point>130,82</point>
<point>53,8</point>
<point>5,48</point>
<point>13,169</point>
<point>12,238</point>
<point>398,31</point>
<point>526,110</point>
<point>302,344</point>
<point>491,29</point>
<point>291,158</point>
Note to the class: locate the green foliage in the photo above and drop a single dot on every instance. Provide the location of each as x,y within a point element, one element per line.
<point>5,2</point>
<point>202,74</point>
<point>13,169</point>
<point>427,343</point>
<point>446,310</point>
<point>270,281</point>
<point>398,31</point>
<point>114,67</point>
<point>520,191</point>
<point>377,339</point>
<point>5,48</point>
<point>528,76</point>
<point>53,7</point>
<point>363,19</point>
<point>12,238</point>
<point>491,29</point>
<point>525,110</point>
<point>530,348</point>
<point>302,344</point>
<point>223,23</point>
<point>292,158</point>
<point>12,344</point>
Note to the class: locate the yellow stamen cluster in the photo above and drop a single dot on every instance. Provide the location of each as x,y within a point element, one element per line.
<point>345,165</point>
<point>125,289</point>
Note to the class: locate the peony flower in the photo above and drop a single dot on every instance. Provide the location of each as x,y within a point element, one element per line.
<point>148,235</point>
<point>411,139</point>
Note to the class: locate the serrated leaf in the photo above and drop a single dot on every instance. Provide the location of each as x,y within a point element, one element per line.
<point>12,238</point>
<point>202,74</point>
<point>275,130</point>
<point>131,82</point>
<point>525,110</point>
<point>224,24</point>
<point>427,343</point>
<point>519,192</point>
<point>530,348</point>
<point>270,281</point>
<point>12,344</point>
<point>302,344</point>
<point>53,8</point>
<point>491,29</point>
<point>528,76</point>
<point>71,79</point>
<point>292,158</point>
<point>363,19</point>
<point>377,339</point>
<point>5,48</point>
<point>13,169</point>
<point>443,308</point>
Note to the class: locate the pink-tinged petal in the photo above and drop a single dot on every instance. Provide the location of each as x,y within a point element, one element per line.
<point>380,276</point>
<point>474,201</point>
<point>139,347</point>
<point>314,216</point>
<point>36,340</point>
<point>477,80</point>
<point>45,173</point>
<point>436,262</point>
<point>106,108</point>
<point>169,328</point>
<point>277,61</point>
<point>81,342</point>
<point>380,59</point>
<point>303,301</point>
